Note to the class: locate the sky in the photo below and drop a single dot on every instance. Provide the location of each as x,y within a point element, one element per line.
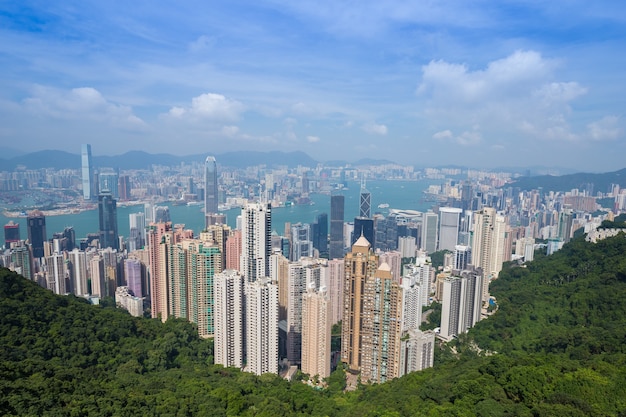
<point>472,83</point>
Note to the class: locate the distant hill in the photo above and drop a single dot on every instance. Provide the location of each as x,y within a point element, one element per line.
<point>143,160</point>
<point>601,182</point>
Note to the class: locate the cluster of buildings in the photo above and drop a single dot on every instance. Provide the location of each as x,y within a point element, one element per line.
<point>270,301</point>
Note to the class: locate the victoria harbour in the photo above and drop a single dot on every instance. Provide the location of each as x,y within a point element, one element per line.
<point>398,194</point>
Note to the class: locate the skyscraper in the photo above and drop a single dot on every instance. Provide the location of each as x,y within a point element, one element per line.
<point>86,171</point>
<point>107,215</point>
<point>256,236</point>
<point>462,301</point>
<point>11,234</point>
<point>37,232</point>
<point>360,264</point>
<point>382,327</point>
<point>261,326</point>
<point>301,243</point>
<point>365,203</point>
<point>78,262</point>
<point>449,221</point>
<point>108,181</point>
<point>229,319</point>
<point>192,265</point>
<point>320,234</point>
<point>429,232</point>
<point>364,226</point>
<point>210,185</point>
<point>336,226</point>
<point>316,333</point>
<point>488,245</point>
<point>137,238</point>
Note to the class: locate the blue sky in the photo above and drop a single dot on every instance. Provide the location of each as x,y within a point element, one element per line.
<point>475,83</point>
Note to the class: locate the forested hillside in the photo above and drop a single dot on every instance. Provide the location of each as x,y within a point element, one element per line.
<point>555,347</point>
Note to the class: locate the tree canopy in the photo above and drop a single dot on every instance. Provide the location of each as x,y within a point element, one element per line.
<point>555,346</point>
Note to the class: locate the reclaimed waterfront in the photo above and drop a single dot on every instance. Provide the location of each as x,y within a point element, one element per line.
<point>398,194</point>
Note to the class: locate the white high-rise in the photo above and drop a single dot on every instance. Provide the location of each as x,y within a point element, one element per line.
<point>488,245</point>
<point>462,301</point>
<point>261,326</point>
<point>137,238</point>
<point>256,236</point>
<point>229,317</point>
<point>429,232</point>
<point>78,260</point>
<point>316,333</point>
<point>449,221</point>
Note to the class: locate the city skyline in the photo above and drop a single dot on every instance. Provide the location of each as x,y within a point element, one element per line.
<point>452,84</point>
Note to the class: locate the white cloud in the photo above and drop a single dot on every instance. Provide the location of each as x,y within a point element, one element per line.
<point>312,139</point>
<point>467,138</point>
<point>209,106</point>
<point>375,129</point>
<point>514,96</point>
<point>83,103</point>
<point>230,130</point>
<point>605,129</point>
<point>444,134</point>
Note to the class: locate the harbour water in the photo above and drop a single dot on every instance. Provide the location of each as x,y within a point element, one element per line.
<point>398,194</point>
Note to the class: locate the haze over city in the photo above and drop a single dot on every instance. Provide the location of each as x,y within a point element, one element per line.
<point>466,83</point>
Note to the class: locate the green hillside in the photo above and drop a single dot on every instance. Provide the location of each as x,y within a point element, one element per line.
<point>555,347</point>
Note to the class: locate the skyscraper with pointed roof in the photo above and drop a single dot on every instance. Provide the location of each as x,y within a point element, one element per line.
<point>360,264</point>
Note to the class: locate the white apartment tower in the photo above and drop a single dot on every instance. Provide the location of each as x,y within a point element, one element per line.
<point>256,236</point>
<point>316,332</point>
<point>462,301</point>
<point>488,245</point>
<point>261,326</point>
<point>229,316</point>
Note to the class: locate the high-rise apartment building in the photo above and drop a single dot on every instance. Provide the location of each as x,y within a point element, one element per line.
<point>37,232</point>
<point>192,265</point>
<point>316,333</point>
<point>229,319</point>
<point>429,232</point>
<point>233,250</point>
<point>417,351</point>
<point>334,288</point>
<point>462,302</point>
<point>210,186</point>
<point>488,245</point>
<point>256,236</point>
<point>56,273</point>
<point>87,172</point>
<point>157,234</point>
<point>336,226</point>
<point>107,216</point>
<point>462,257</point>
<point>296,286</point>
<point>360,264</point>
<point>382,327</point>
<point>218,235</point>
<point>449,222</point>
<point>261,326</point>
<point>78,265</point>
<point>21,261</point>
<point>132,273</point>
